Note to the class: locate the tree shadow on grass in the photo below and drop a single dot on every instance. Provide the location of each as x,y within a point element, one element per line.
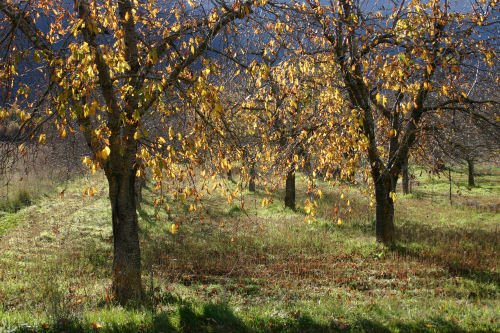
<point>219,317</point>
<point>188,317</point>
<point>432,325</point>
<point>464,252</point>
<point>179,315</point>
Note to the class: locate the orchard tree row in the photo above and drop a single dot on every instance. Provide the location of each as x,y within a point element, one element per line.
<point>188,89</point>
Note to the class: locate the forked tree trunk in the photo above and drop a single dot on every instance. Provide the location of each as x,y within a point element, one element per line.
<point>290,189</point>
<point>384,215</point>
<point>126,254</point>
<point>470,164</point>
<point>251,182</point>
<point>406,177</point>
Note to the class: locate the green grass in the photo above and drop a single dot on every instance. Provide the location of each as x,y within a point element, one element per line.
<point>264,269</point>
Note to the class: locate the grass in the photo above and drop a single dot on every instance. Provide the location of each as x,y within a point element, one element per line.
<point>28,181</point>
<point>263,269</point>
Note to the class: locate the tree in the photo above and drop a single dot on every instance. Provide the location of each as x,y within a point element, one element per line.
<point>108,67</point>
<point>467,134</point>
<point>289,99</point>
<point>397,67</point>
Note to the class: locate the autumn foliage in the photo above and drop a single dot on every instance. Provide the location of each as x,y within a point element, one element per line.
<point>330,90</point>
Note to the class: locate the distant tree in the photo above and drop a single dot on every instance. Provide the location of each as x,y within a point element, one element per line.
<point>468,134</point>
<point>466,139</point>
<point>292,113</point>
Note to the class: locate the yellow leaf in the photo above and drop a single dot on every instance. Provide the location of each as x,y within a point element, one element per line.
<point>339,222</point>
<point>265,201</point>
<point>137,135</point>
<point>218,108</point>
<point>136,115</point>
<point>86,160</point>
<point>41,139</point>
<point>173,228</point>
<point>105,152</point>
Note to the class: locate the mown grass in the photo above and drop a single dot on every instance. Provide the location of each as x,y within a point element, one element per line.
<point>263,269</point>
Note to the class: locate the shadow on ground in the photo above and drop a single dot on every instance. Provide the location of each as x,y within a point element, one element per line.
<point>221,318</point>
<point>470,253</point>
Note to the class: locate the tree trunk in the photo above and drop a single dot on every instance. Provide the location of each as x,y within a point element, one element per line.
<point>470,164</point>
<point>127,254</point>
<point>449,179</point>
<point>251,183</point>
<point>384,216</point>
<point>307,165</point>
<point>230,175</point>
<point>140,182</point>
<point>290,189</point>
<point>406,177</point>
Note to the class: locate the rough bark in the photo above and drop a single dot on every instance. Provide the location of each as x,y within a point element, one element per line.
<point>384,215</point>
<point>126,254</point>
<point>470,165</point>
<point>140,182</point>
<point>406,177</point>
<point>290,189</point>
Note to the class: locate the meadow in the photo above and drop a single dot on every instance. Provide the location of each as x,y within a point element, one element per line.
<point>255,268</point>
